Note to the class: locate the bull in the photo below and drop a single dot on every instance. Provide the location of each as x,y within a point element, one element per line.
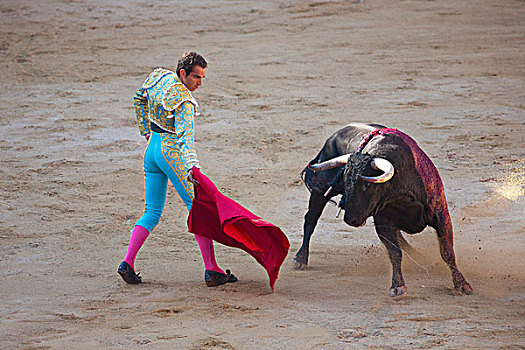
<point>380,172</point>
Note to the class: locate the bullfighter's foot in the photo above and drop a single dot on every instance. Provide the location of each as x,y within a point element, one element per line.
<point>300,265</point>
<point>214,278</point>
<point>464,288</point>
<point>398,291</point>
<point>128,274</point>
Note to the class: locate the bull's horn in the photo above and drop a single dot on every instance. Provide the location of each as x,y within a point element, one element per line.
<point>383,165</point>
<point>330,164</point>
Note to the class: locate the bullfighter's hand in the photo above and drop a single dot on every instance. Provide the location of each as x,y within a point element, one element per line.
<point>191,178</point>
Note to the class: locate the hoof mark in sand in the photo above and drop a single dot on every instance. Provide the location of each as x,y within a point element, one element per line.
<point>212,343</point>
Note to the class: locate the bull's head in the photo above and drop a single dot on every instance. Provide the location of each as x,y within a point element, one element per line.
<point>364,178</point>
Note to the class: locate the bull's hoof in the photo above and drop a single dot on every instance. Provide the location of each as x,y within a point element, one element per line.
<point>398,291</point>
<point>300,265</point>
<point>464,288</point>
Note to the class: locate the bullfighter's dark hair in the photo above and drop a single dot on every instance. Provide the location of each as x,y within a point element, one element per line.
<point>189,60</point>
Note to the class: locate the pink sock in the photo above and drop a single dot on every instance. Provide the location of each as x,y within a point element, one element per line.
<point>208,253</point>
<point>138,236</point>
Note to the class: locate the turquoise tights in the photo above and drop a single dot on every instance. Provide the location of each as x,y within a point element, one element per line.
<point>163,160</point>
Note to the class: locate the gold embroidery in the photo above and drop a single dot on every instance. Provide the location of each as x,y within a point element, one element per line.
<point>172,152</point>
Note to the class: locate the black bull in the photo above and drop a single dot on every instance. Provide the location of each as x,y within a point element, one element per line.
<point>381,173</point>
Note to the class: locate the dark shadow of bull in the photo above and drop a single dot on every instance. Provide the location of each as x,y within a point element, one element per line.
<point>380,172</point>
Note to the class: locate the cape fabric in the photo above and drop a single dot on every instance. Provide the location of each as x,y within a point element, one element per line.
<point>220,218</point>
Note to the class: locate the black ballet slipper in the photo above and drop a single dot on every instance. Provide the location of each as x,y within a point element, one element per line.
<point>126,272</point>
<point>214,278</point>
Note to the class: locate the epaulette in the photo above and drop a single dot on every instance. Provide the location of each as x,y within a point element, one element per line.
<point>175,95</point>
<point>155,76</point>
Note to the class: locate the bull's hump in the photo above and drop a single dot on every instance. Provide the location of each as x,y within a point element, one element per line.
<point>364,127</point>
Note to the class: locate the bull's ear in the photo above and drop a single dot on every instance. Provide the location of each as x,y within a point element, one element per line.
<point>380,164</point>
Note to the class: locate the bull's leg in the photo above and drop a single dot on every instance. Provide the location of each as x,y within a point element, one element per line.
<point>443,228</point>
<point>389,237</point>
<point>315,209</point>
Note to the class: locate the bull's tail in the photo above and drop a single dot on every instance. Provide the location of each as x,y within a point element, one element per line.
<point>308,175</point>
<point>303,177</point>
<point>312,184</point>
<point>403,244</point>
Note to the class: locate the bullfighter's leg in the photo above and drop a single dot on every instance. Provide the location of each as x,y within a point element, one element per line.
<point>155,182</point>
<point>443,228</point>
<point>315,209</point>
<point>389,237</point>
<point>170,160</point>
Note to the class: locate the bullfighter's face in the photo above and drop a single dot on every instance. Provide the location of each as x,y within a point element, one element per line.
<point>193,80</point>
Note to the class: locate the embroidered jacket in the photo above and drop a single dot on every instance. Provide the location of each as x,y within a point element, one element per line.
<point>164,100</point>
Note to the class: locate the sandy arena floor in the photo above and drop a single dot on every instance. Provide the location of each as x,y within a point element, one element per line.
<point>282,77</point>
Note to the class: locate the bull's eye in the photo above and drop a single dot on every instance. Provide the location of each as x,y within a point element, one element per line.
<point>366,186</point>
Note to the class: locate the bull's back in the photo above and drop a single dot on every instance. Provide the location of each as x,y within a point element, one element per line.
<point>346,140</point>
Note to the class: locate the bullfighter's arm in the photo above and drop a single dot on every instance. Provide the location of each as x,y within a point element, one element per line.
<point>185,130</point>
<point>141,111</point>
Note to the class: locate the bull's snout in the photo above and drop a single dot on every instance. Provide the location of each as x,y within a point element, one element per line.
<point>354,221</point>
